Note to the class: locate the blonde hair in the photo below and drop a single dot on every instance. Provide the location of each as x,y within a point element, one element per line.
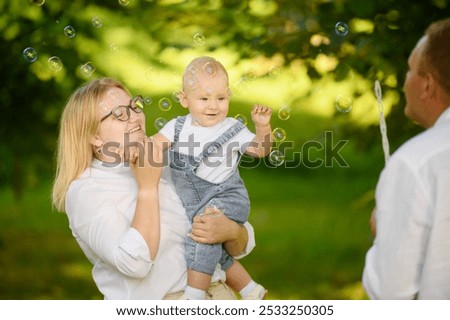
<point>78,125</point>
<point>201,65</point>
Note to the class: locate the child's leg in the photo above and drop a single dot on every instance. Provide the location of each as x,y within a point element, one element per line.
<point>198,283</point>
<point>198,280</point>
<point>239,279</point>
<point>237,276</point>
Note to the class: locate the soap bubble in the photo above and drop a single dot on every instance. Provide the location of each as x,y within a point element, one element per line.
<point>276,158</point>
<point>165,104</point>
<point>284,113</point>
<point>151,74</point>
<point>87,69</point>
<point>97,22</point>
<point>274,71</point>
<point>176,96</point>
<point>279,134</point>
<point>199,39</point>
<point>241,118</point>
<point>160,123</point>
<point>30,54</point>
<point>148,101</point>
<point>114,47</point>
<point>37,3</point>
<point>341,29</point>
<point>69,31</point>
<point>343,104</point>
<point>54,63</point>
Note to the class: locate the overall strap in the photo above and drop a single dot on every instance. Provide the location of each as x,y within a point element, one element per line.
<point>178,126</point>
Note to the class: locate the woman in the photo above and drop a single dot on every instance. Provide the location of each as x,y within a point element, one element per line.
<point>108,183</point>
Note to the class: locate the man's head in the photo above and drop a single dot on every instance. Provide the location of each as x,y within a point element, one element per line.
<point>427,83</point>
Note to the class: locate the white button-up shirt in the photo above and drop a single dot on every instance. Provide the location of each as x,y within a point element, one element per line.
<point>410,257</point>
<point>100,205</point>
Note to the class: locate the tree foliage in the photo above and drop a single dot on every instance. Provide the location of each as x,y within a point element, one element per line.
<point>374,40</point>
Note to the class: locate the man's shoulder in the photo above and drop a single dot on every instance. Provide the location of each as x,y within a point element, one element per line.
<point>425,145</point>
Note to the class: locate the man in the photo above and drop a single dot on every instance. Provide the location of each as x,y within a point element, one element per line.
<point>410,257</point>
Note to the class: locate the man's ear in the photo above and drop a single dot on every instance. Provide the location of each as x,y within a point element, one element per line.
<point>429,87</point>
<point>183,99</point>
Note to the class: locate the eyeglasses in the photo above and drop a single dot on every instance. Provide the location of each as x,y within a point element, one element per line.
<point>122,113</point>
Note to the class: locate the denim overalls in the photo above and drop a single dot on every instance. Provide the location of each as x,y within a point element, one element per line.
<point>196,194</point>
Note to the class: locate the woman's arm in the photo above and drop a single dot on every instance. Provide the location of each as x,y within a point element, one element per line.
<point>146,169</point>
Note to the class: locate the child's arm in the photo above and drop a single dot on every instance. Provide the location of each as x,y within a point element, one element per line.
<point>262,143</point>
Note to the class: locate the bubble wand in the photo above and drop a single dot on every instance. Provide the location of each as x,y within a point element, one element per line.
<point>383,129</point>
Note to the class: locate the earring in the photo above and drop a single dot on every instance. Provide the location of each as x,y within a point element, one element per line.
<point>98,150</point>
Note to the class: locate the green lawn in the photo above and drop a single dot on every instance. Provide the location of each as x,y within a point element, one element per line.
<point>311,232</point>
<point>311,228</point>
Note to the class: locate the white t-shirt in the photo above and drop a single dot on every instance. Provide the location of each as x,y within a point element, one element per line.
<point>100,205</point>
<point>220,165</point>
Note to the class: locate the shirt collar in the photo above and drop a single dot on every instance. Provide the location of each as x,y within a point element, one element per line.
<point>112,167</point>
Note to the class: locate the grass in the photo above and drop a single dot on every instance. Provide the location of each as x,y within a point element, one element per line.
<point>311,232</point>
<point>311,229</point>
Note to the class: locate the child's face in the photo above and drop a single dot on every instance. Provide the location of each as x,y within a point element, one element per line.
<point>208,100</point>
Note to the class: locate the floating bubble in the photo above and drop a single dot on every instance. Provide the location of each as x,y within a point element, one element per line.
<point>176,96</point>
<point>250,75</point>
<point>276,158</point>
<point>97,22</point>
<point>151,74</point>
<point>241,118</point>
<point>199,39</point>
<point>210,69</point>
<point>279,134</point>
<point>124,2</point>
<point>69,31</point>
<point>274,71</point>
<point>343,104</point>
<point>148,101</point>
<point>240,87</point>
<point>87,69</point>
<point>341,29</point>
<point>160,123</point>
<point>114,47</point>
<point>165,104</point>
<point>54,63</point>
<point>30,54</point>
<point>37,3</point>
<point>284,113</point>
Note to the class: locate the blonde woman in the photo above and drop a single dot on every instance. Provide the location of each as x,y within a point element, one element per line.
<point>126,218</point>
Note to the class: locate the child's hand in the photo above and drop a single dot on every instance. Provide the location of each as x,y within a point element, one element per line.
<point>261,115</point>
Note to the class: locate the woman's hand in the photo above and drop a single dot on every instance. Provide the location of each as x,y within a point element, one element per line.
<point>214,227</point>
<point>146,160</point>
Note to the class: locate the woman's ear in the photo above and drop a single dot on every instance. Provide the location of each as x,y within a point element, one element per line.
<point>183,99</point>
<point>96,142</point>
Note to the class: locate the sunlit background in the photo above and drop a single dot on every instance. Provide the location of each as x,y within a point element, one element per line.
<point>315,62</point>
